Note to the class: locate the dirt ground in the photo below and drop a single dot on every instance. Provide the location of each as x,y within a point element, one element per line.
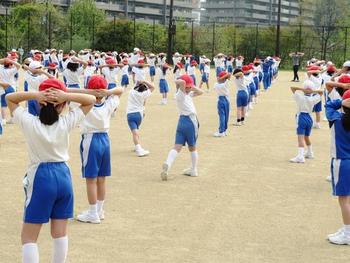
<point>249,204</point>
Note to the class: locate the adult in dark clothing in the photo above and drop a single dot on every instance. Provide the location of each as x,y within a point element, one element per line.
<point>296,56</point>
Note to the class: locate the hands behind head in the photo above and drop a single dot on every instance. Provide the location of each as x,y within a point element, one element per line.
<point>53,96</point>
<point>346,103</point>
<point>100,93</point>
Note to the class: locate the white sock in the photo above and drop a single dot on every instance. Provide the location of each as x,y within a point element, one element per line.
<point>138,147</point>
<point>309,148</point>
<point>30,253</point>
<point>60,249</point>
<point>347,230</point>
<point>194,159</point>
<point>93,209</point>
<point>301,152</point>
<point>171,157</point>
<point>100,205</point>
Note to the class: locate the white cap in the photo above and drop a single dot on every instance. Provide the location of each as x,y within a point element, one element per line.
<point>35,64</point>
<point>207,60</point>
<point>136,49</point>
<point>346,64</point>
<point>308,84</point>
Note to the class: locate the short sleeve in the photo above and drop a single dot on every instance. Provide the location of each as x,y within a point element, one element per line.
<point>146,94</point>
<point>334,95</point>
<point>112,103</point>
<point>298,96</point>
<point>332,108</point>
<point>74,118</point>
<point>22,118</point>
<point>80,70</point>
<point>134,69</point>
<point>316,99</point>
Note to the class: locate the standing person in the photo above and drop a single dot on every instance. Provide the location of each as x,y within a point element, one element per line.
<point>139,72</point>
<point>239,62</point>
<point>163,84</point>
<point>88,72</point>
<point>187,128</point>
<point>340,163</point>
<point>151,61</point>
<point>314,74</point>
<point>110,72</point>
<point>95,146</point>
<point>48,183</point>
<point>191,71</point>
<point>229,64</point>
<point>306,100</point>
<point>223,105</point>
<point>125,74</point>
<point>242,96</point>
<point>296,56</point>
<point>205,74</point>
<point>74,69</point>
<point>135,112</point>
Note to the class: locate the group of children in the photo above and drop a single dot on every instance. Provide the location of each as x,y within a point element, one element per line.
<point>337,110</point>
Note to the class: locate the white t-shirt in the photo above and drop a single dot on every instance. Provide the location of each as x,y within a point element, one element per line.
<point>98,118</point>
<point>185,103</point>
<point>54,58</point>
<point>222,89</point>
<point>134,58</point>
<point>241,84</point>
<point>46,57</point>
<point>306,103</point>
<point>140,74</point>
<point>219,62</point>
<point>125,70</point>
<point>191,70</point>
<point>73,77</point>
<point>89,70</point>
<point>334,95</point>
<point>151,61</point>
<point>318,81</point>
<point>136,101</point>
<point>160,73</point>
<point>7,75</point>
<point>110,75</point>
<point>34,81</point>
<point>239,62</point>
<point>206,69</point>
<point>47,143</point>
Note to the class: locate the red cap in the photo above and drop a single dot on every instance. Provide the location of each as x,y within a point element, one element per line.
<point>331,68</point>
<point>251,66</point>
<point>344,79</point>
<point>346,95</point>
<point>141,62</point>
<point>14,54</point>
<point>180,65</point>
<point>314,68</point>
<point>245,68</point>
<point>188,79</point>
<point>52,66</point>
<point>194,63</point>
<point>37,57</point>
<point>223,74</point>
<point>125,62</point>
<point>90,62</point>
<point>97,82</point>
<point>111,61</point>
<point>52,83</point>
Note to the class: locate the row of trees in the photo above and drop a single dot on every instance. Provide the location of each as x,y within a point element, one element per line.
<point>34,25</point>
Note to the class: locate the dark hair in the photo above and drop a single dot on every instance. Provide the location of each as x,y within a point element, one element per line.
<point>175,68</point>
<point>141,88</point>
<point>330,73</point>
<point>237,70</point>
<point>315,74</point>
<point>340,91</point>
<point>256,64</point>
<point>52,71</point>
<point>72,66</point>
<point>48,114</point>
<point>164,70</point>
<point>345,120</point>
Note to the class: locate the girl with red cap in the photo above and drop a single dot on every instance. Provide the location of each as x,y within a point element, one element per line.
<point>110,72</point>
<point>242,96</point>
<point>48,184</point>
<point>151,61</point>
<point>223,105</point>
<point>163,84</point>
<point>338,114</point>
<point>187,128</point>
<point>139,71</point>
<point>314,74</point>
<point>95,145</point>
<point>191,71</point>
<point>205,74</point>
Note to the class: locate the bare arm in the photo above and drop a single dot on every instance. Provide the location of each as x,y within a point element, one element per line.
<point>149,85</point>
<point>4,60</point>
<point>14,99</point>
<point>196,91</point>
<point>84,63</point>
<point>294,89</point>
<point>330,85</point>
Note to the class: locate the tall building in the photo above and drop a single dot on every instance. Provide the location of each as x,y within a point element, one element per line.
<point>250,11</point>
<point>144,10</point>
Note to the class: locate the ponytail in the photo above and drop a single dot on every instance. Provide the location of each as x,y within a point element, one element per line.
<point>48,114</point>
<point>346,119</point>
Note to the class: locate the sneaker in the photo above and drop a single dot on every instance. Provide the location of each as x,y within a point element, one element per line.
<point>242,122</point>
<point>164,173</point>
<point>329,178</point>
<point>226,133</point>
<point>190,172</point>
<point>340,239</point>
<point>142,153</point>
<point>218,134</point>
<point>341,230</point>
<point>309,155</point>
<point>297,159</point>
<point>101,214</point>
<point>317,126</point>
<point>250,106</point>
<point>325,119</point>
<point>89,218</point>
<point>237,124</point>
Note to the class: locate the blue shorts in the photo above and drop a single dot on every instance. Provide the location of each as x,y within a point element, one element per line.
<point>261,76</point>
<point>201,67</point>
<point>252,89</point>
<point>49,193</point>
<point>205,77</point>
<point>242,98</point>
<point>73,86</point>
<point>112,85</point>
<point>340,170</point>
<point>3,100</point>
<point>163,86</point>
<point>194,79</point>
<point>256,82</point>
<point>187,131</point>
<point>152,71</point>
<point>46,63</point>
<point>134,120</point>
<point>230,69</point>
<point>125,80</point>
<point>317,107</point>
<point>218,71</point>
<point>34,107</point>
<point>304,122</point>
<point>95,155</point>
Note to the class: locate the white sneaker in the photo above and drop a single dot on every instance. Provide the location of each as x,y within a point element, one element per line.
<point>218,134</point>
<point>341,230</point>
<point>190,172</point>
<point>309,155</point>
<point>237,124</point>
<point>325,119</point>
<point>297,159</point>
<point>101,214</point>
<point>164,173</point>
<point>340,239</point>
<point>226,133</point>
<point>317,126</point>
<point>142,153</point>
<point>242,122</point>
<point>250,106</point>
<point>89,218</point>
<point>329,178</point>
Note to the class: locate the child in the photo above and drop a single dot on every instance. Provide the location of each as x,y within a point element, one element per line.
<point>48,183</point>
<point>187,61</point>
<point>239,62</point>
<point>110,71</point>
<point>139,72</point>
<point>229,64</point>
<point>135,112</point>
<point>191,71</point>
<point>340,163</point>
<point>73,71</point>
<point>306,100</point>
<point>223,107</point>
<point>202,60</point>
<point>125,73</point>
<point>314,74</point>
<point>163,84</point>
<point>242,96</point>
<point>88,72</point>
<point>187,128</point>
<point>151,61</point>
<point>219,63</point>
<point>95,146</point>
<point>205,74</point>
<point>248,76</point>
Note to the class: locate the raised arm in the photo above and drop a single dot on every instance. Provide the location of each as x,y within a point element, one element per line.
<point>196,91</point>
<point>149,85</point>
<point>14,99</point>
<point>294,89</point>
<point>84,63</point>
<point>4,60</point>
<point>331,84</point>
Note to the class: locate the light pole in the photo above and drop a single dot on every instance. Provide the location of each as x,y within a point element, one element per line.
<point>278,37</point>
<point>171,32</point>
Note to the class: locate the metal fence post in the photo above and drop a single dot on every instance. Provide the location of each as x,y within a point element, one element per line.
<point>346,43</point>
<point>299,46</point>
<point>6,30</point>
<point>153,34</point>
<point>28,33</point>
<point>322,42</point>
<point>71,32</point>
<point>213,43</point>
<point>192,38</point>
<point>256,40</point>
<point>50,29</point>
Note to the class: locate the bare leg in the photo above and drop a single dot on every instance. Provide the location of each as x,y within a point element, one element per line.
<point>91,190</point>
<point>344,202</point>
<point>101,188</point>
